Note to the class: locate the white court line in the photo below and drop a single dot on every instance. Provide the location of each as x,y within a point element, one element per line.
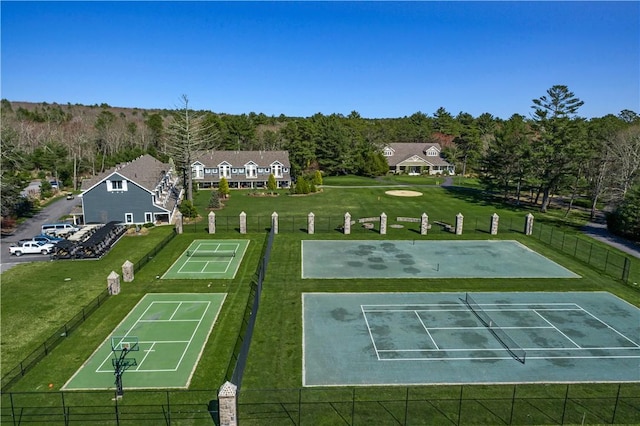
<point>148,351</point>
<point>192,335</point>
<point>174,312</point>
<point>427,330</point>
<point>609,327</point>
<point>549,322</point>
<point>370,335</point>
<point>169,320</point>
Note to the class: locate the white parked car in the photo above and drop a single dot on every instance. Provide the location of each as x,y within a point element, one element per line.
<point>31,247</point>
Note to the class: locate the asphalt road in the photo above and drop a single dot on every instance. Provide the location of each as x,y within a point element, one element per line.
<point>32,227</point>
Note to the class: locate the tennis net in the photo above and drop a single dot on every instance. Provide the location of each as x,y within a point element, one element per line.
<point>211,253</point>
<point>509,344</point>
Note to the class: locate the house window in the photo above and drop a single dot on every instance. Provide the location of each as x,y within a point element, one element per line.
<point>251,171</point>
<point>388,152</point>
<point>210,171</point>
<point>225,171</point>
<point>197,171</point>
<point>148,217</point>
<point>276,169</point>
<point>116,185</point>
<point>128,218</point>
<point>432,153</point>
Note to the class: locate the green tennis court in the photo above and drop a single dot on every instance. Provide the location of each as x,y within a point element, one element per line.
<point>426,259</point>
<point>438,338</point>
<point>171,331</point>
<point>207,259</point>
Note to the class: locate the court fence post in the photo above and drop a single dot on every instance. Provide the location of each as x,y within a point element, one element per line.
<point>615,405</point>
<point>274,222</point>
<point>228,404</point>
<point>459,224</point>
<point>212,222</point>
<point>513,403</point>
<point>564,406</point>
<point>311,223</point>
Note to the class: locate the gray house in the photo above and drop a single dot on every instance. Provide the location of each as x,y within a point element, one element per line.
<point>242,169</point>
<point>416,159</point>
<point>138,192</point>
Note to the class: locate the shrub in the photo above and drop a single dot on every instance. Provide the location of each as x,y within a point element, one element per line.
<point>188,209</point>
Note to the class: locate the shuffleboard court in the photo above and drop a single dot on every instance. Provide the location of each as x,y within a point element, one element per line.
<point>352,339</point>
<point>171,331</point>
<point>209,259</point>
<point>332,259</point>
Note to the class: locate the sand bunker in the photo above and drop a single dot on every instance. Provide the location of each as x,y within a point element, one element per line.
<point>403,193</point>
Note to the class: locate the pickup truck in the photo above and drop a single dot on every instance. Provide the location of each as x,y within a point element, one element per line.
<point>31,247</point>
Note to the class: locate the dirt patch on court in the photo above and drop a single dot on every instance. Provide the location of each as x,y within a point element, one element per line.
<point>403,193</point>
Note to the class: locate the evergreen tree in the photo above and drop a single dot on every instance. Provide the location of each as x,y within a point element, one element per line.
<point>214,201</point>
<point>559,139</point>
<point>271,183</point>
<point>223,188</point>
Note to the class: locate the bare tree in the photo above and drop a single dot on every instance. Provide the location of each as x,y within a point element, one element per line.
<point>624,149</point>
<point>188,134</point>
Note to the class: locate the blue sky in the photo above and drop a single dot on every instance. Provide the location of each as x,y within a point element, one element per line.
<point>381,59</point>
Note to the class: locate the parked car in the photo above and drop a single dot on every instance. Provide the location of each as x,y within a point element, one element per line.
<point>59,229</point>
<point>31,247</point>
<point>44,238</point>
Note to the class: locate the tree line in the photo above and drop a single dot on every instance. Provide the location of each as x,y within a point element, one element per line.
<point>553,151</point>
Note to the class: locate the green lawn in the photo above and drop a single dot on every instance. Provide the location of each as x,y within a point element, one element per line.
<point>39,298</point>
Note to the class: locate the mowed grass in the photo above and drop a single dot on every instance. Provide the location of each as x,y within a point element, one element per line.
<point>37,299</point>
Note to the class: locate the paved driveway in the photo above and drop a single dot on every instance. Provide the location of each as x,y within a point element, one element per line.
<point>32,227</point>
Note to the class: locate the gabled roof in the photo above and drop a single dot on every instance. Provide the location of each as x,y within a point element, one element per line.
<point>145,171</point>
<point>404,151</point>
<point>240,158</point>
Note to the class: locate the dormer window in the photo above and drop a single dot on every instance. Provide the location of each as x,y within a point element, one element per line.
<point>388,152</point>
<point>432,152</point>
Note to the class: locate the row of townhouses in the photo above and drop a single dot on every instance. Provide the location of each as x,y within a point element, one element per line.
<point>148,191</point>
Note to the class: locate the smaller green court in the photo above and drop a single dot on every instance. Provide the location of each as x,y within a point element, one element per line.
<point>209,259</point>
<point>171,331</point>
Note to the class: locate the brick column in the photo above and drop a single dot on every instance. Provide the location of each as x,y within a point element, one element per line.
<point>459,223</point>
<point>311,223</point>
<point>227,404</point>
<point>212,222</point>
<point>127,272</point>
<point>243,223</point>
<point>494,224</point>
<point>113,283</point>
<point>424,224</point>
<point>347,223</point>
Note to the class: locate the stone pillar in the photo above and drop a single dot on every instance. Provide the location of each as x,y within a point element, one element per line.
<point>347,223</point>
<point>494,224</point>
<point>459,223</point>
<point>528,224</point>
<point>113,283</point>
<point>311,223</point>
<point>212,223</point>
<point>383,224</point>
<point>127,272</point>
<point>274,222</point>
<point>227,404</point>
<point>243,223</point>
<point>178,222</point>
<point>424,224</point>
